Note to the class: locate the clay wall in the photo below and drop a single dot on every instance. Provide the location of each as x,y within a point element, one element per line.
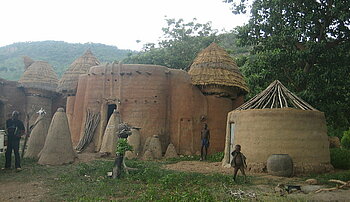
<point>58,101</point>
<point>75,109</point>
<point>187,113</point>
<point>144,98</point>
<point>218,108</point>
<point>37,99</point>
<point>139,91</point>
<point>11,98</point>
<point>301,134</point>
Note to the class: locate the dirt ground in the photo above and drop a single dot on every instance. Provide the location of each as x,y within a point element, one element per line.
<point>263,184</point>
<point>17,191</point>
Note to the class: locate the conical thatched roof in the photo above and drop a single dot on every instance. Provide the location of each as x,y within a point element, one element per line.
<point>69,81</point>
<point>213,66</point>
<point>276,95</point>
<point>39,75</point>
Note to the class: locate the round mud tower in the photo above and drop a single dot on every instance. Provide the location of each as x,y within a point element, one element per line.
<point>109,141</point>
<point>58,148</point>
<point>280,165</point>
<point>170,152</point>
<point>37,137</point>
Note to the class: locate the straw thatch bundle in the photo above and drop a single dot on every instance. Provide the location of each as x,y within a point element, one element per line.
<point>276,95</point>
<point>135,141</point>
<point>39,75</point>
<point>213,66</point>
<point>37,137</point>
<point>146,145</point>
<point>110,137</point>
<point>171,152</point>
<point>155,147</point>
<point>69,81</point>
<point>58,148</point>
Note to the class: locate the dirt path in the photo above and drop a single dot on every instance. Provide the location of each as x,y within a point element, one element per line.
<point>199,167</point>
<point>264,183</point>
<point>19,191</point>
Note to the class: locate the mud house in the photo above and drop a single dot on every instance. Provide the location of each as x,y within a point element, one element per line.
<point>278,122</point>
<point>172,104</point>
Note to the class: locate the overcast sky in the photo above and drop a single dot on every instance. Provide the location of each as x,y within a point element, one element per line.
<point>113,22</point>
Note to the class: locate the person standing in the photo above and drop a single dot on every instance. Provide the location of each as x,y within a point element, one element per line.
<point>238,162</point>
<point>205,137</point>
<point>15,129</point>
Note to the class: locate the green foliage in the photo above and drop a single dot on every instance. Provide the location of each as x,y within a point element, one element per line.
<point>337,132</point>
<point>217,157</point>
<point>340,158</point>
<point>305,45</point>
<point>345,140</point>
<point>179,46</point>
<point>58,53</point>
<point>181,43</point>
<point>123,146</point>
<point>149,182</point>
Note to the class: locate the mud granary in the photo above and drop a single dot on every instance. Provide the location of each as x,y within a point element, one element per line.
<point>169,103</point>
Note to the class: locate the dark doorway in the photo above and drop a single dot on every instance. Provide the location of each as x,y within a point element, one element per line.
<point>2,116</point>
<point>111,108</point>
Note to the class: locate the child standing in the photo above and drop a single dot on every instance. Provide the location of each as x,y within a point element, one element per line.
<point>238,162</point>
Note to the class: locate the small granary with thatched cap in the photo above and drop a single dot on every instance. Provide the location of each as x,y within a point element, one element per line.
<point>39,82</point>
<point>217,75</point>
<point>69,81</point>
<point>278,122</point>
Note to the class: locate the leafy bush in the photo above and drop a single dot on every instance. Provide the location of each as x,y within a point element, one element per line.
<point>345,140</point>
<point>123,146</point>
<point>337,132</point>
<point>217,157</point>
<point>340,158</point>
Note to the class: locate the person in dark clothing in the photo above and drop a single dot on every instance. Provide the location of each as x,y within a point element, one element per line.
<point>15,129</point>
<point>238,162</point>
<point>205,137</point>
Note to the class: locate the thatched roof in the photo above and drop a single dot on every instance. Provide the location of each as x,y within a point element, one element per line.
<point>276,95</point>
<point>81,65</point>
<point>214,66</point>
<point>39,75</point>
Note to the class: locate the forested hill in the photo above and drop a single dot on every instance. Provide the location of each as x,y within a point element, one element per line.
<point>58,53</point>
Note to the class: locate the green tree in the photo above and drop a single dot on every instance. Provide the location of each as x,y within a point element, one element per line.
<point>179,45</point>
<point>345,140</point>
<point>305,44</point>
